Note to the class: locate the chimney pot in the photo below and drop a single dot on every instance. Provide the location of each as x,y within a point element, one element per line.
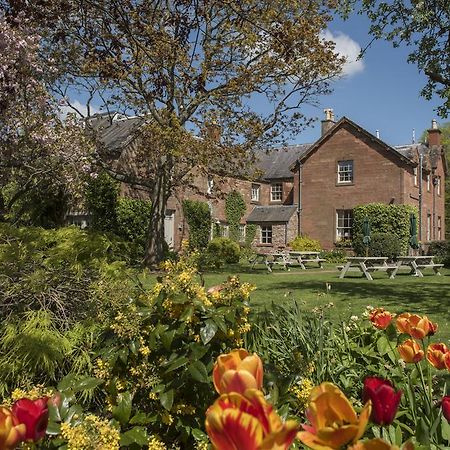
<point>328,122</point>
<point>434,134</point>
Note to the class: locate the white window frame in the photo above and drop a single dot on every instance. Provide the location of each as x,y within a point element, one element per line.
<point>266,234</point>
<point>438,185</point>
<point>210,185</point>
<point>428,182</point>
<point>224,230</point>
<point>345,171</point>
<point>255,192</point>
<point>344,224</point>
<point>415,176</point>
<point>276,192</point>
<point>242,230</point>
<point>439,229</point>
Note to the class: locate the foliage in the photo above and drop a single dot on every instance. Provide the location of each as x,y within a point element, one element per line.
<point>384,218</point>
<point>441,251</point>
<point>101,202</point>
<point>221,251</point>
<point>381,244</point>
<point>133,218</point>
<point>250,233</point>
<point>161,83</point>
<point>333,256</point>
<point>425,28</point>
<point>234,210</point>
<point>305,244</point>
<point>198,217</point>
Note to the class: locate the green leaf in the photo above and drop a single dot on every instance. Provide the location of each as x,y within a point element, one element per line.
<point>199,435</point>
<point>122,410</point>
<point>86,383</point>
<point>177,363</point>
<point>383,345</point>
<point>445,428</point>
<point>53,428</point>
<point>137,435</point>
<point>422,433</point>
<point>208,331</point>
<point>66,382</point>
<point>199,372</point>
<point>166,399</point>
<point>221,324</point>
<point>167,338</point>
<point>142,418</point>
<point>187,314</point>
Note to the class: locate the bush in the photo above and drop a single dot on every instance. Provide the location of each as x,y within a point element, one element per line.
<point>234,210</point>
<point>334,256</point>
<point>221,251</point>
<point>441,251</point>
<point>381,244</point>
<point>198,217</point>
<point>394,219</point>
<point>305,244</point>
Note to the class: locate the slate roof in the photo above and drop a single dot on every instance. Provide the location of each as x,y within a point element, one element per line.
<point>276,162</point>
<point>274,213</point>
<point>120,133</point>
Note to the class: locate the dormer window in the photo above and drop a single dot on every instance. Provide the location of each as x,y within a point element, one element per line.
<point>345,172</point>
<point>255,192</point>
<point>276,192</point>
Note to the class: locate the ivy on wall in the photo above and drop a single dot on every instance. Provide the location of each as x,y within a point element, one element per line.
<point>234,210</point>
<point>198,217</point>
<point>385,219</point>
<point>250,233</point>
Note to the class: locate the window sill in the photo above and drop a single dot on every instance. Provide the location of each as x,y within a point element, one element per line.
<point>255,202</point>
<point>352,183</point>
<point>264,245</point>
<point>277,202</point>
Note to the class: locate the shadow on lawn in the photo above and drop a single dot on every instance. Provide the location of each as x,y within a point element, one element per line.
<point>417,295</point>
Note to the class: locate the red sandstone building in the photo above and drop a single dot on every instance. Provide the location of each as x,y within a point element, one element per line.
<point>311,189</point>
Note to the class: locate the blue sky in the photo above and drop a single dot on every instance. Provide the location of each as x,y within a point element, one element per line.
<point>380,92</point>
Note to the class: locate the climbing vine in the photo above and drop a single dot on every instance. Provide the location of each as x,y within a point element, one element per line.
<point>234,210</point>
<point>198,217</point>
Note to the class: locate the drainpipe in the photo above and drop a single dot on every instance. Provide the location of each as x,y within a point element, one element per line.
<point>420,195</point>
<point>435,182</point>
<point>299,203</point>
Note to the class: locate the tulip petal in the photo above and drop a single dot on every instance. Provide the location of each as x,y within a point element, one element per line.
<point>312,441</point>
<point>237,381</point>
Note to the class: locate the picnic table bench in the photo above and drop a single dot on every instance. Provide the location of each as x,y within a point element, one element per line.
<point>305,257</point>
<point>366,264</point>
<point>271,259</point>
<point>416,264</point>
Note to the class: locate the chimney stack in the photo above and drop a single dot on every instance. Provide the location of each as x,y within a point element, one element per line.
<point>328,122</point>
<point>434,134</point>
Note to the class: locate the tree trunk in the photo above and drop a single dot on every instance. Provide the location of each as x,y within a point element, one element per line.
<point>154,252</point>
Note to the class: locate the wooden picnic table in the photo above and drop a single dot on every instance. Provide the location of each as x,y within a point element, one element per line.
<point>366,264</point>
<point>304,257</point>
<point>271,259</point>
<point>416,264</point>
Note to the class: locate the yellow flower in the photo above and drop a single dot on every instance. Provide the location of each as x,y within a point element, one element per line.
<point>154,443</point>
<point>167,419</point>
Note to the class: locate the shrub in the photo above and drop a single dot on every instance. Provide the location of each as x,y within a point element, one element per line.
<point>305,244</point>
<point>441,251</point>
<point>381,244</point>
<point>198,217</point>
<point>334,256</point>
<point>234,210</point>
<point>394,219</point>
<point>221,251</point>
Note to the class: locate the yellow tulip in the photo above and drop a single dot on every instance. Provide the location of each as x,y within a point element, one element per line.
<point>373,444</point>
<point>247,422</point>
<point>237,371</point>
<point>410,351</point>
<point>334,422</point>
<point>11,430</point>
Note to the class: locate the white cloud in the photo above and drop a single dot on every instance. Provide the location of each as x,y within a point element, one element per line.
<point>347,47</point>
<point>81,108</point>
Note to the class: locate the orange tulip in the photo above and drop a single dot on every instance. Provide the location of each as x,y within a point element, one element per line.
<point>435,355</point>
<point>410,351</point>
<point>237,371</point>
<point>11,430</point>
<point>238,422</point>
<point>416,326</point>
<point>373,444</point>
<point>447,360</point>
<point>334,422</point>
<point>380,318</point>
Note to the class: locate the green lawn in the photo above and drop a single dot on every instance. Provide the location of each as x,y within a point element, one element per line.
<point>429,295</point>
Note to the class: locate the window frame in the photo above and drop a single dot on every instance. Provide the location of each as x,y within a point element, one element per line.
<point>428,182</point>
<point>347,217</point>
<point>439,228</point>
<point>415,176</point>
<point>278,192</point>
<point>343,172</point>
<point>255,188</point>
<point>209,185</point>
<point>266,234</point>
<point>438,185</point>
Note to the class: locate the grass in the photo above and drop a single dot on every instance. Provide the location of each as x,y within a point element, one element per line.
<point>429,295</point>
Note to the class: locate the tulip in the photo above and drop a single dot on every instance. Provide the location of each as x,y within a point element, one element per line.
<point>373,444</point>
<point>433,328</point>
<point>11,430</point>
<point>238,422</point>
<point>446,407</point>
<point>384,399</point>
<point>334,422</point>
<point>436,354</point>
<point>416,326</point>
<point>410,351</point>
<point>237,371</point>
<point>34,414</point>
<point>447,360</point>
<point>380,318</point>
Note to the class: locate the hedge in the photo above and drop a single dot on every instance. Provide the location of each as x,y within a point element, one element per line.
<point>198,217</point>
<point>384,218</point>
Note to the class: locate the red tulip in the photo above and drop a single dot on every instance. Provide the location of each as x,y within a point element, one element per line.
<point>380,318</point>
<point>385,400</point>
<point>34,414</point>
<point>446,407</point>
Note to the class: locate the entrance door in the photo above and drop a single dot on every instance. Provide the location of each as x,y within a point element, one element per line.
<point>169,227</point>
